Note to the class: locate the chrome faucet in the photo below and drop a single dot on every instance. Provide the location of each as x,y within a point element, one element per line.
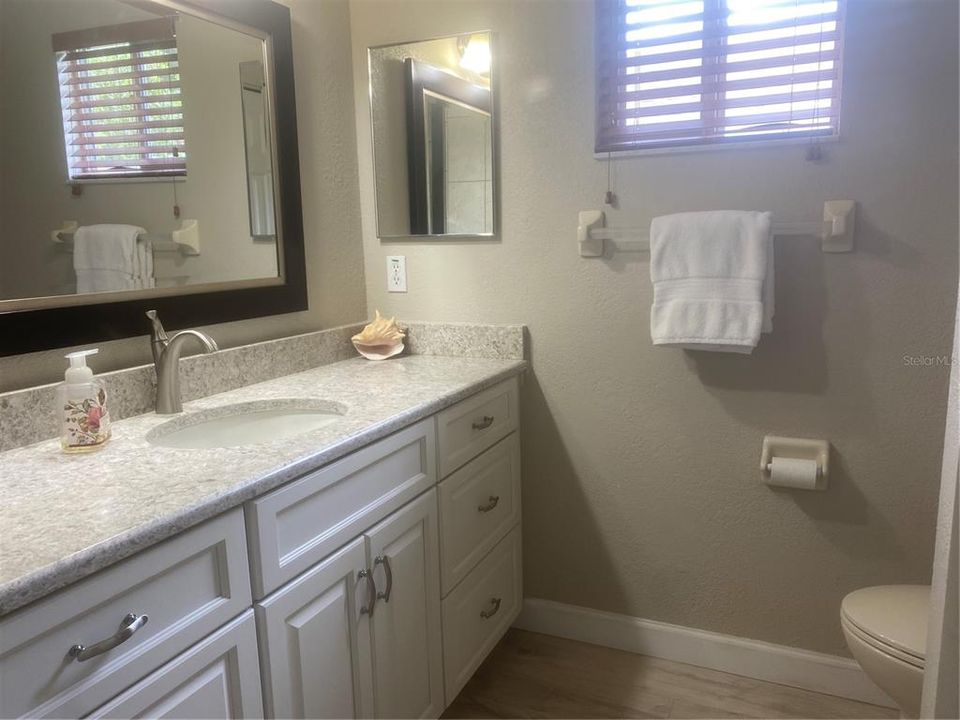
<point>166,360</point>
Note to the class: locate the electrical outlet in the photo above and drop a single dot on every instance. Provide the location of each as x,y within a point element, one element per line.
<point>397,273</point>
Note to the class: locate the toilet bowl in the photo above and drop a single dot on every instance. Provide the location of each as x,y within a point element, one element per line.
<point>886,631</point>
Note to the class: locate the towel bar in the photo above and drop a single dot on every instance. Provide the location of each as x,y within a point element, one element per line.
<point>186,240</point>
<point>836,231</point>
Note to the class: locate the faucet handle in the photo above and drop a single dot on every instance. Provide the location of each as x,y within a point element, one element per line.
<point>158,332</point>
<point>158,337</point>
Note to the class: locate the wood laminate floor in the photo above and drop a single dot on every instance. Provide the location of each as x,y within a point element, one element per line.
<point>529,675</point>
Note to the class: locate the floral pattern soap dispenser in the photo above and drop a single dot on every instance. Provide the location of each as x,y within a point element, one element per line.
<point>82,399</point>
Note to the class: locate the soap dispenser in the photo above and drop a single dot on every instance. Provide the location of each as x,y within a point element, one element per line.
<point>82,399</point>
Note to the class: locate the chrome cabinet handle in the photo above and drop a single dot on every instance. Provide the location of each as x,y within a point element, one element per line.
<point>385,561</point>
<point>131,623</point>
<point>483,424</point>
<point>494,608</point>
<point>371,592</point>
<point>491,504</point>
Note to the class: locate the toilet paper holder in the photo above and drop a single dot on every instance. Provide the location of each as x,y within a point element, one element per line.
<point>797,449</point>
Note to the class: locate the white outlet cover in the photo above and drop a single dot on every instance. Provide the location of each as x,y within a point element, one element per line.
<point>396,273</point>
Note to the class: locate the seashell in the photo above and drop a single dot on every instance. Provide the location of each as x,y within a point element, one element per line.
<point>379,340</point>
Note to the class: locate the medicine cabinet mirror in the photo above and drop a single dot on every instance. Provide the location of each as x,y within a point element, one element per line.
<point>433,121</point>
<point>148,160</point>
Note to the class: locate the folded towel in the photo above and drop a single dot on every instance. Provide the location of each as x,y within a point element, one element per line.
<point>143,272</point>
<point>108,257</point>
<point>712,276</point>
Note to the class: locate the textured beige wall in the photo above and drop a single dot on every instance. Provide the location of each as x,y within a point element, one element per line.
<point>328,173</point>
<point>641,491</point>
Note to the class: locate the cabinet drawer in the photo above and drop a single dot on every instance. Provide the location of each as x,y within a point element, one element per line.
<point>479,611</point>
<point>479,503</point>
<point>218,677</point>
<point>186,586</point>
<point>299,524</point>
<point>470,427</point>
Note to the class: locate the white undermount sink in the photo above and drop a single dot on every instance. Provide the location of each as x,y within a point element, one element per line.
<point>248,423</point>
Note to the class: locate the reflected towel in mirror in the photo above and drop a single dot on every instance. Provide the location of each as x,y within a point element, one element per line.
<point>110,257</point>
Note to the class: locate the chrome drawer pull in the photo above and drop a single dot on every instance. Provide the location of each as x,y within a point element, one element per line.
<point>131,623</point>
<point>495,608</point>
<point>385,561</point>
<point>371,592</point>
<point>491,504</point>
<point>483,424</point>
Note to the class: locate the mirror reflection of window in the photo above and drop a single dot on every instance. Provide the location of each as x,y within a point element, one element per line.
<point>121,102</point>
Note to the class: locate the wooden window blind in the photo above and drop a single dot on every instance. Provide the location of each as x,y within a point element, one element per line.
<point>697,72</point>
<point>121,100</point>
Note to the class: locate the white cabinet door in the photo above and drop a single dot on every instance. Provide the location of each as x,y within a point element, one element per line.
<point>316,642</point>
<point>406,622</point>
<point>216,678</point>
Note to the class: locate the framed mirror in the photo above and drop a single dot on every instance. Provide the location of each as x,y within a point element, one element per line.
<point>149,160</point>
<point>433,122</point>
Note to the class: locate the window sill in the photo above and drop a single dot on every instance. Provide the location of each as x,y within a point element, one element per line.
<point>126,180</point>
<point>719,147</point>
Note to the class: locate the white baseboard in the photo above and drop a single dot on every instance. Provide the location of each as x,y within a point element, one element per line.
<point>750,658</point>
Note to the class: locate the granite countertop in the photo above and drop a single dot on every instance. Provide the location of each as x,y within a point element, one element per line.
<point>63,517</point>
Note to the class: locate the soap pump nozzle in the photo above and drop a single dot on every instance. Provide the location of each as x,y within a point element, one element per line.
<point>78,372</point>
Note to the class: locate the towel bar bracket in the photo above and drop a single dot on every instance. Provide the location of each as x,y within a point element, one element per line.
<point>590,241</point>
<point>839,219</point>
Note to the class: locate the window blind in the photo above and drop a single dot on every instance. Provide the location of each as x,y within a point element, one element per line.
<point>121,100</point>
<point>695,72</point>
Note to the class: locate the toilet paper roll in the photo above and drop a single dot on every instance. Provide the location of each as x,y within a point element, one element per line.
<point>793,473</point>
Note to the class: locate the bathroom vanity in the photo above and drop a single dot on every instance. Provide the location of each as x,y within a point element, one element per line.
<point>363,569</point>
<point>360,564</point>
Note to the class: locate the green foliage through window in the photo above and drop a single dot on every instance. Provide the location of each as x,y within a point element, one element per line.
<point>122,109</point>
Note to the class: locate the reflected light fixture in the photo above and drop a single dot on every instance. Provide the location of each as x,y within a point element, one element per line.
<point>475,53</point>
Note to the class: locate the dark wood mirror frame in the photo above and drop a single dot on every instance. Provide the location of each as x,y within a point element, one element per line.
<point>44,329</point>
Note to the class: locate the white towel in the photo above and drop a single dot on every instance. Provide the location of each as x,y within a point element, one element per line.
<point>712,276</point>
<point>108,257</point>
<point>143,275</point>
